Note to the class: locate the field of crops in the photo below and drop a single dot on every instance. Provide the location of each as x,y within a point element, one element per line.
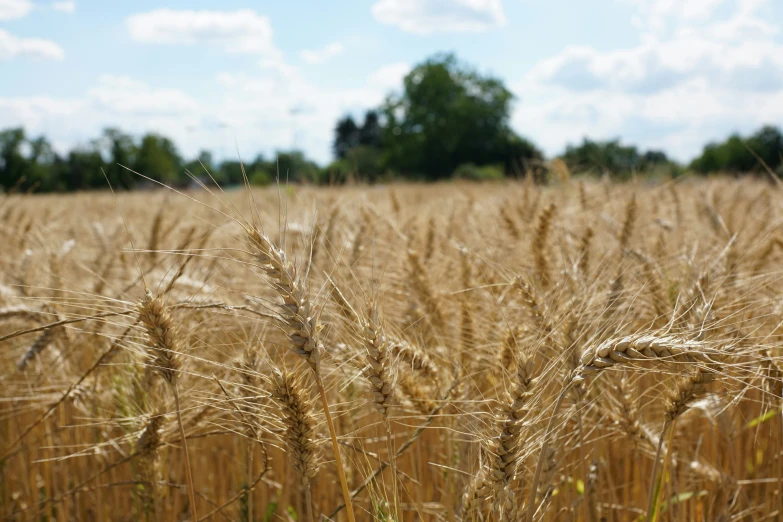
<point>581,351</point>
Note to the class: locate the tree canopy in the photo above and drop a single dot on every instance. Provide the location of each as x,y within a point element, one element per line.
<point>739,155</point>
<point>32,163</point>
<point>615,159</point>
<point>447,115</point>
<point>448,120</point>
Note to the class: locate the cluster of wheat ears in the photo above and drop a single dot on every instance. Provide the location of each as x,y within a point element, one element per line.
<point>582,351</point>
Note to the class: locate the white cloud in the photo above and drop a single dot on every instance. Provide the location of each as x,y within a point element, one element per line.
<point>121,95</point>
<point>321,55</point>
<point>242,31</point>
<point>281,109</point>
<point>273,109</point>
<point>13,9</point>
<point>431,16</point>
<point>64,7</point>
<point>652,67</point>
<point>389,77</point>
<point>702,69</point>
<point>13,46</point>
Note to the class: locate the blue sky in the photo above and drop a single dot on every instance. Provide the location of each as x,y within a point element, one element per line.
<point>262,76</point>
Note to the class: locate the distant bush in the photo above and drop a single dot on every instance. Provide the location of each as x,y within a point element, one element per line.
<point>361,163</point>
<point>260,177</point>
<point>472,172</point>
<point>365,163</point>
<point>615,159</point>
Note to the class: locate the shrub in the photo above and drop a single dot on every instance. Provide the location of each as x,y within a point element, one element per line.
<point>260,177</point>
<point>472,172</point>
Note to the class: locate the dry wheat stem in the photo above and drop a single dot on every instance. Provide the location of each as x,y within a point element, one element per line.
<point>407,444</point>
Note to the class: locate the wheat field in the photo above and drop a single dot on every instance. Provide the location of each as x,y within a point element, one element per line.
<point>585,350</point>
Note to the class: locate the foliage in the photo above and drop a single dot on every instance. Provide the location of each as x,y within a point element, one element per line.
<point>736,154</point>
<point>158,159</point>
<point>28,163</point>
<point>447,115</point>
<point>613,158</point>
<point>361,163</point>
<point>122,152</point>
<point>448,120</point>
<point>469,171</point>
<point>348,135</point>
<point>294,167</point>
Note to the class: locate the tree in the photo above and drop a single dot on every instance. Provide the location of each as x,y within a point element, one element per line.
<point>346,136</point>
<point>614,158</point>
<point>767,142</point>
<point>196,167</point>
<point>121,152</point>
<point>13,164</point>
<point>740,155</point>
<point>293,166</point>
<point>40,165</point>
<point>158,159</point>
<point>370,133</point>
<point>83,168</point>
<point>448,115</point>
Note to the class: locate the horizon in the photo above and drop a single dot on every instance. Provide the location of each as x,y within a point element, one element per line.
<point>228,78</point>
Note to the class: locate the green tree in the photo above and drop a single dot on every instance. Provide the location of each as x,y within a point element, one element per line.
<point>293,166</point>
<point>447,115</point>
<point>196,167</point>
<point>733,155</point>
<point>370,132</point>
<point>741,155</point>
<point>13,164</point>
<point>361,163</point>
<point>83,168</point>
<point>230,173</point>
<point>346,136</point>
<point>40,169</point>
<point>258,172</point>
<point>614,158</point>
<point>767,142</point>
<point>121,152</point>
<point>158,159</point>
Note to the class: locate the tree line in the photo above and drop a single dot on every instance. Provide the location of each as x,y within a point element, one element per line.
<point>448,121</point>
<point>31,163</point>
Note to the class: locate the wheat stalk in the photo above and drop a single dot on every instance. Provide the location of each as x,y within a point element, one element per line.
<point>302,322</point>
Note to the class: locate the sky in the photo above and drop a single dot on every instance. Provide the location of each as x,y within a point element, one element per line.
<point>243,77</point>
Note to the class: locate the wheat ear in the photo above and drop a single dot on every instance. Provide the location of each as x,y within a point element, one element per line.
<point>149,463</point>
<point>421,285</point>
<point>379,373</point>
<point>297,415</point>
<point>584,251</point>
<point>302,322</point>
<point>416,359</point>
<point>540,243</point>
<point>163,344</point>
<point>628,225</point>
<point>638,348</point>
<point>504,448</point>
<point>47,337</point>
